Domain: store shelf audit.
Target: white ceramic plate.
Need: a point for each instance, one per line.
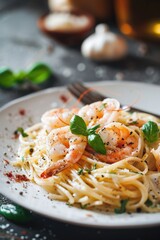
(142, 95)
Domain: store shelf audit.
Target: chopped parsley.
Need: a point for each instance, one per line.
(82, 171)
(122, 208)
(102, 106)
(69, 204)
(21, 131)
(148, 203)
(84, 206)
(94, 166)
(133, 122)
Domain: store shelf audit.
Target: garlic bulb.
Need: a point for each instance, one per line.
(104, 45)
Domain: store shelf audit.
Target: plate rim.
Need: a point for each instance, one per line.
(85, 224)
(56, 88)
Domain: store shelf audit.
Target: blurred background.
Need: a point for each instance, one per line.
(25, 40)
(135, 19)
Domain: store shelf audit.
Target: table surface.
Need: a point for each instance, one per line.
(21, 44)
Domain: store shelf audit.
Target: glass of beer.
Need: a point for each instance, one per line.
(139, 19)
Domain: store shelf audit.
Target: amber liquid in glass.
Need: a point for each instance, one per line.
(139, 18)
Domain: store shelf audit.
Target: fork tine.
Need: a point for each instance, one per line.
(94, 95)
(78, 93)
(87, 95)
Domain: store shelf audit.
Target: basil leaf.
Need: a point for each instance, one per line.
(7, 78)
(78, 126)
(39, 73)
(96, 143)
(122, 208)
(15, 213)
(151, 131)
(20, 76)
(93, 129)
(22, 132)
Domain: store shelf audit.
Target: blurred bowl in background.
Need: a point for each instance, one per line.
(101, 9)
(69, 28)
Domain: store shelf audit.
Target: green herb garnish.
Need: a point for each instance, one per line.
(122, 208)
(133, 122)
(112, 172)
(82, 171)
(83, 206)
(22, 132)
(69, 204)
(92, 129)
(151, 131)
(37, 74)
(102, 106)
(15, 213)
(7, 78)
(94, 166)
(79, 127)
(148, 203)
(95, 141)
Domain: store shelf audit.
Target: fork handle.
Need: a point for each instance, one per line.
(132, 109)
(93, 96)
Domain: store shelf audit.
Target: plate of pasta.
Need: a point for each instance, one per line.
(94, 165)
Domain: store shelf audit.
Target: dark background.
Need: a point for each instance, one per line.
(21, 44)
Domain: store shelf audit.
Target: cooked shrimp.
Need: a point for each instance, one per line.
(64, 149)
(101, 112)
(58, 117)
(136, 118)
(120, 142)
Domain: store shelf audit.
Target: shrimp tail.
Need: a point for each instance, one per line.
(55, 169)
(62, 164)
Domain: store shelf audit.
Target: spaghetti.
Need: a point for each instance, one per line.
(72, 168)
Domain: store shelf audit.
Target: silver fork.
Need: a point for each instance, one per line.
(88, 96)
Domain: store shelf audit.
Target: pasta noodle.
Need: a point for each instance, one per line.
(71, 169)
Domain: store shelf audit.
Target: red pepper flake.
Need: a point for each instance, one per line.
(6, 162)
(16, 135)
(64, 98)
(21, 178)
(9, 174)
(89, 215)
(22, 112)
(16, 177)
